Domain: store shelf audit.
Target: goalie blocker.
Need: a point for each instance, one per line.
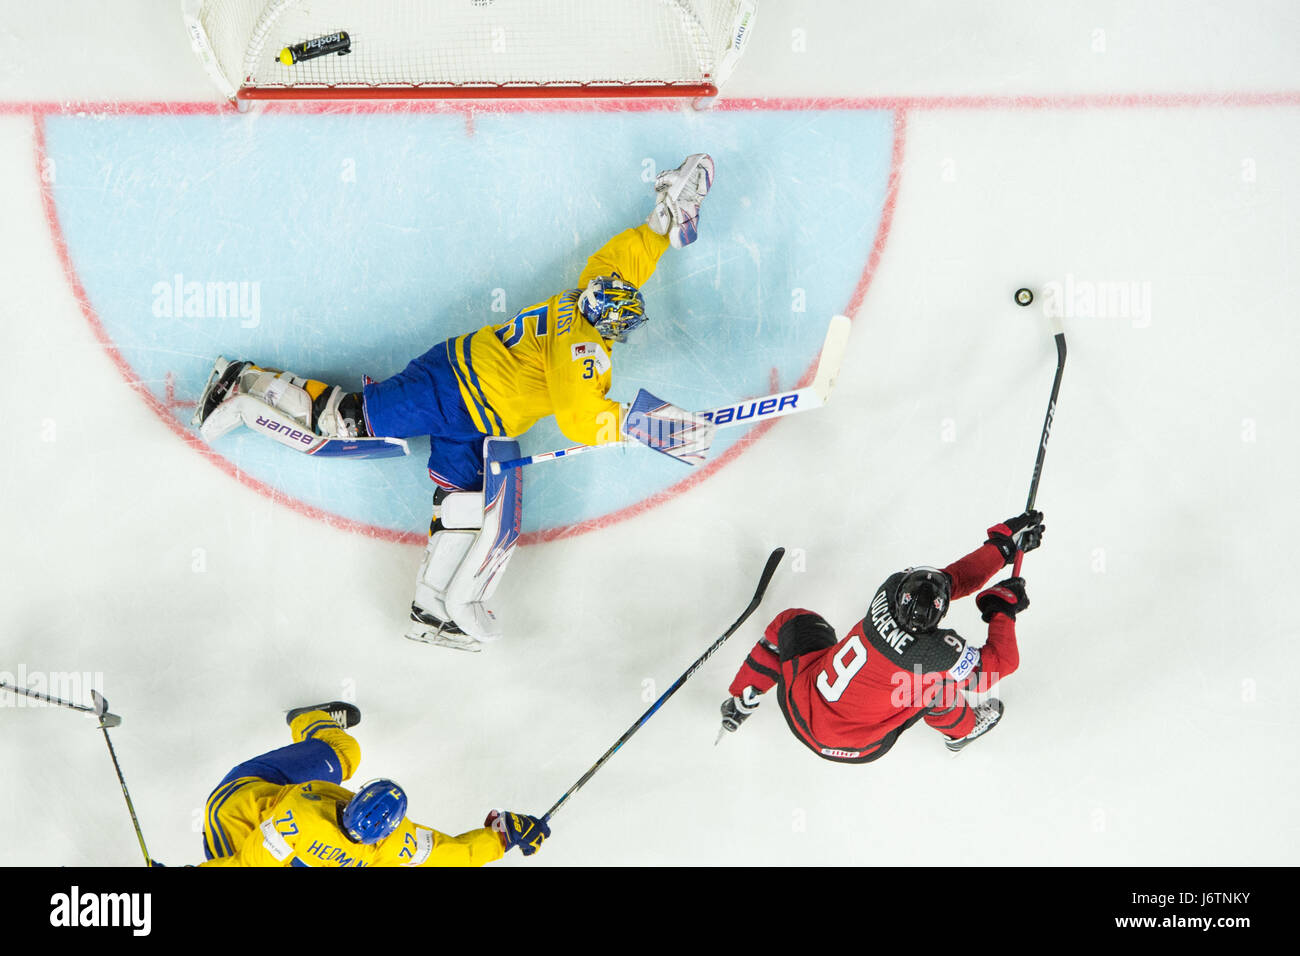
(666, 428)
(699, 438)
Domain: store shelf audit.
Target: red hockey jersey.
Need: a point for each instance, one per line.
(849, 700)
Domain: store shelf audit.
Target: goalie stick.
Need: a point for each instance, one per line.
(747, 412)
(1047, 430)
(764, 579)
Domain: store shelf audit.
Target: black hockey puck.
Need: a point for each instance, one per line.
(1024, 297)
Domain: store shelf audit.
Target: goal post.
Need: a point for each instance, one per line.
(455, 49)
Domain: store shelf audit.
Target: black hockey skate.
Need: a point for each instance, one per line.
(987, 716)
(220, 380)
(345, 715)
(427, 628)
(737, 710)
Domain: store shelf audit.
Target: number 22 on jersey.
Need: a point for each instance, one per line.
(846, 663)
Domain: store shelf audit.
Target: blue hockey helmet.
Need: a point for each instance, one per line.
(921, 599)
(374, 811)
(615, 307)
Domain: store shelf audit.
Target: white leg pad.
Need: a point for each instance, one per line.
(477, 578)
(223, 419)
(268, 393)
(281, 391)
(465, 561)
(270, 421)
(443, 555)
(463, 510)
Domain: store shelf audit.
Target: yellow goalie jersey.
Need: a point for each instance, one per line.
(298, 825)
(549, 360)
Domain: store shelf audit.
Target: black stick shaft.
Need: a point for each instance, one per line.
(139, 835)
(1047, 433)
(769, 569)
(37, 695)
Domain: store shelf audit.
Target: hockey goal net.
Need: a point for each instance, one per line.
(469, 48)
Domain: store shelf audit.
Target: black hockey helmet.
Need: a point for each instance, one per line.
(921, 599)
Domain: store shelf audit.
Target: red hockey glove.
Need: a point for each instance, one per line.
(1029, 526)
(1006, 597)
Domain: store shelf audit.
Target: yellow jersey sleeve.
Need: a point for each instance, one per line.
(415, 845)
(631, 255)
(251, 853)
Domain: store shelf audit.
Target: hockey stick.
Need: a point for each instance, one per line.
(747, 412)
(107, 720)
(112, 720)
(765, 578)
(1047, 431)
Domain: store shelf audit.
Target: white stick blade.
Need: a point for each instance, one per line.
(101, 710)
(828, 366)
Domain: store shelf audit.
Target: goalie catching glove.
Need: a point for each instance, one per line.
(518, 829)
(678, 194)
(666, 428)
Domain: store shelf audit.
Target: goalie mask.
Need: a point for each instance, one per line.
(613, 306)
(921, 599)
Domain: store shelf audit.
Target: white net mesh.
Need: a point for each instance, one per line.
(488, 44)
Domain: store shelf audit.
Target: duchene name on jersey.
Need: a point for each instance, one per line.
(886, 626)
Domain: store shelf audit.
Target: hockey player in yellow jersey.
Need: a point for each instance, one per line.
(287, 808)
(472, 394)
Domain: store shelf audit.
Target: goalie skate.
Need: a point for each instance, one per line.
(224, 374)
(425, 628)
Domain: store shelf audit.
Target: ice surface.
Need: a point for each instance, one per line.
(1093, 147)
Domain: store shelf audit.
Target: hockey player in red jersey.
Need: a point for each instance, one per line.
(849, 700)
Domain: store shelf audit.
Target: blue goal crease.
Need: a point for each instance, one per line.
(343, 246)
